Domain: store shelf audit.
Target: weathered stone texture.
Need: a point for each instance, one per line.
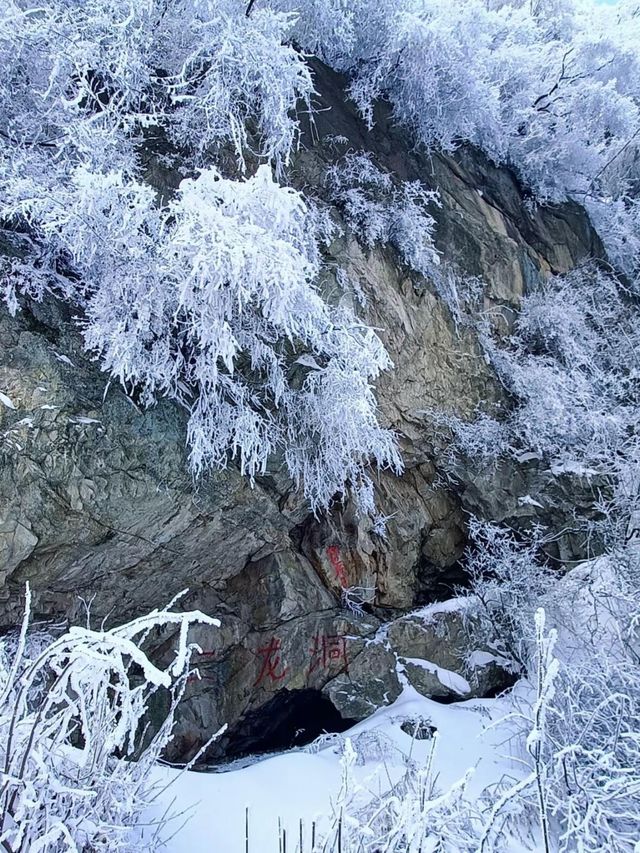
(97, 508)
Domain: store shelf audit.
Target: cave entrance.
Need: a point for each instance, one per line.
(291, 718)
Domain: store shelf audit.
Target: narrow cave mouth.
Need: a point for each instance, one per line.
(506, 681)
(289, 719)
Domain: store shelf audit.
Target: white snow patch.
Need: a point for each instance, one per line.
(302, 785)
(480, 658)
(527, 500)
(451, 680)
(63, 358)
(460, 604)
(572, 466)
(6, 401)
(81, 419)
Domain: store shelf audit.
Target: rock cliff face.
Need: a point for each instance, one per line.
(97, 508)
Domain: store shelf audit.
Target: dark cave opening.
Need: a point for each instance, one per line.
(290, 718)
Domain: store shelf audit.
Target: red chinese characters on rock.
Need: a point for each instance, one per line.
(333, 554)
(272, 667)
(327, 650)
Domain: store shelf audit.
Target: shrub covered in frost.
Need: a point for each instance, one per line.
(72, 720)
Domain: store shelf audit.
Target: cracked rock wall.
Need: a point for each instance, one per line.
(97, 508)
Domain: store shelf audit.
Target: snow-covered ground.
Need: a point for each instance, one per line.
(303, 785)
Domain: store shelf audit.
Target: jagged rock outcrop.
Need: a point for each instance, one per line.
(98, 511)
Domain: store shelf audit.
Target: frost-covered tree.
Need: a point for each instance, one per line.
(73, 716)
(412, 814)
(551, 88)
(573, 732)
(570, 368)
(208, 297)
(236, 71)
(86, 88)
(380, 211)
(211, 300)
(578, 713)
(617, 220)
(508, 577)
(83, 81)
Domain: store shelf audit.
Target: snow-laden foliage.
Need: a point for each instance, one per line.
(589, 752)
(553, 91)
(570, 368)
(412, 815)
(573, 735)
(380, 211)
(617, 221)
(508, 578)
(81, 81)
(73, 714)
(535, 785)
(581, 716)
(207, 297)
(618, 520)
(236, 71)
(211, 300)
(552, 88)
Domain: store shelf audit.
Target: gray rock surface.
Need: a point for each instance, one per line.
(98, 511)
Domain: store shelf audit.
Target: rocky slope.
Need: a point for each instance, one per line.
(98, 511)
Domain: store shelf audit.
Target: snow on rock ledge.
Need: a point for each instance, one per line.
(96, 500)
